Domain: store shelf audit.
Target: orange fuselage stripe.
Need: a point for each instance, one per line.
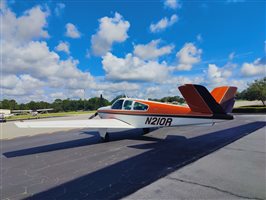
(156, 108)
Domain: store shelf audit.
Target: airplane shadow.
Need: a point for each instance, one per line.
(56, 146)
(163, 157)
(136, 134)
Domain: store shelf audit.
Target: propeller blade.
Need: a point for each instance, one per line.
(94, 115)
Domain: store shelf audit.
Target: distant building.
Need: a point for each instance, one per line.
(5, 111)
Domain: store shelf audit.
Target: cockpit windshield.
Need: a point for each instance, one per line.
(118, 104)
(129, 105)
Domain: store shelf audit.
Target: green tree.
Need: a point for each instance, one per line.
(9, 104)
(256, 91)
(57, 105)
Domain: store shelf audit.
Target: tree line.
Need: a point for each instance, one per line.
(58, 105)
(255, 91)
(65, 105)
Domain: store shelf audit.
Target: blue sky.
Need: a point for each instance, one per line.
(72, 49)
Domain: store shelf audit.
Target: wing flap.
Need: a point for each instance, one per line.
(92, 123)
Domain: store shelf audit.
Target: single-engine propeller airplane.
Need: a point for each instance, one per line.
(203, 108)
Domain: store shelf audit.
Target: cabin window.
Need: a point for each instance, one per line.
(140, 106)
(118, 104)
(127, 105)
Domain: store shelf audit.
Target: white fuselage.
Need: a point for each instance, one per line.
(149, 120)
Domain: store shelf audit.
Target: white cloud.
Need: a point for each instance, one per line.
(163, 24)
(151, 50)
(20, 85)
(133, 69)
(34, 72)
(36, 59)
(110, 30)
(63, 46)
(173, 4)
(257, 68)
(72, 31)
(215, 75)
(58, 95)
(187, 56)
(117, 87)
(218, 76)
(29, 26)
(59, 8)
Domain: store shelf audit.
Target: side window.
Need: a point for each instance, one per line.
(140, 106)
(118, 104)
(127, 105)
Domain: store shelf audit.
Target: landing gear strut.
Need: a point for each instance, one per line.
(104, 135)
(106, 138)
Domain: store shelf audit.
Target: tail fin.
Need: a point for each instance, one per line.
(225, 96)
(199, 99)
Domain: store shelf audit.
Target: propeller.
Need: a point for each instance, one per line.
(94, 115)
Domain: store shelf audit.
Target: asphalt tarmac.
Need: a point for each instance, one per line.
(225, 161)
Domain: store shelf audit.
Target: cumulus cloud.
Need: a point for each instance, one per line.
(163, 24)
(58, 95)
(215, 75)
(151, 50)
(187, 56)
(20, 85)
(110, 30)
(63, 46)
(29, 26)
(256, 68)
(173, 4)
(36, 59)
(133, 69)
(72, 31)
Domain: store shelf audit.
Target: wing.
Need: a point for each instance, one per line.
(92, 123)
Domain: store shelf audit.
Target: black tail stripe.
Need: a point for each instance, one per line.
(210, 101)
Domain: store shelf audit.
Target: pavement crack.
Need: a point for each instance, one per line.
(212, 187)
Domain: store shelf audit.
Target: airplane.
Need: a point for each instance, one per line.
(33, 112)
(203, 108)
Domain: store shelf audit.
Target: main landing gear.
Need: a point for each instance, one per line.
(106, 138)
(104, 135)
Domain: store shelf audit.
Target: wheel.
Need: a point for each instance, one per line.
(145, 131)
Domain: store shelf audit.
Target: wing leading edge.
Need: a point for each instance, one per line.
(92, 123)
